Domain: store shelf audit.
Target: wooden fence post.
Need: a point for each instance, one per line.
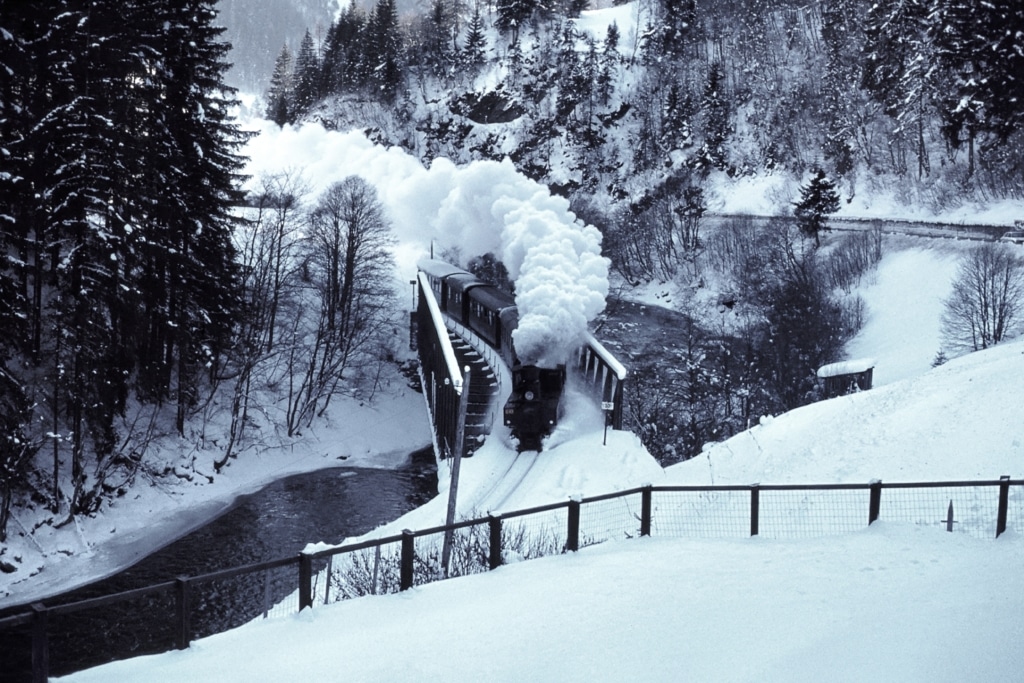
(755, 508)
(305, 580)
(572, 541)
(40, 643)
(1004, 500)
(408, 554)
(875, 501)
(183, 605)
(494, 526)
(645, 511)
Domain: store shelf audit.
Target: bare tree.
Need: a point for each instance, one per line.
(984, 307)
(348, 269)
(267, 248)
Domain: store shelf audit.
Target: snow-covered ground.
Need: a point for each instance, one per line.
(885, 604)
(889, 602)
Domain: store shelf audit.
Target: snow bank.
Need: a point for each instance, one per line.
(904, 309)
(957, 421)
(885, 604)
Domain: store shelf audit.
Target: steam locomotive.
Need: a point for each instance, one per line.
(531, 411)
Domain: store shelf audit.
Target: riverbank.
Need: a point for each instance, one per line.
(154, 512)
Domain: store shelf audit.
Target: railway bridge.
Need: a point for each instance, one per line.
(466, 380)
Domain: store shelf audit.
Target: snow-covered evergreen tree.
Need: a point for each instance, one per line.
(306, 76)
(818, 200)
(280, 95)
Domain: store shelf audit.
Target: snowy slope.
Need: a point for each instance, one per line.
(962, 420)
(889, 602)
(904, 303)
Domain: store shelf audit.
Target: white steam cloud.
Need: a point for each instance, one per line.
(561, 278)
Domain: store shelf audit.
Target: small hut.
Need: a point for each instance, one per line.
(846, 377)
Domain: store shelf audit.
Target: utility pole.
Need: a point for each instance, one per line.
(453, 489)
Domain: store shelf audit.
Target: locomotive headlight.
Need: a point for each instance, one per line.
(528, 395)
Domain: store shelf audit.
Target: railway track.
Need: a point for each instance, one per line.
(507, 484)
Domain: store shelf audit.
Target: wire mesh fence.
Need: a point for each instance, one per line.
(527, 537)
(173, 613)
(966, 509)
(368, 571)
(809, 513)
(610, 518)
(700, 513)
(83, 638)
(1015, 510)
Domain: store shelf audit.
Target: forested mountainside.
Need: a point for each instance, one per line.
(637, 112)
(923, 95)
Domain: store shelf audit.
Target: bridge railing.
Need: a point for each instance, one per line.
(439, 370)
(599, 369)
(983, 509)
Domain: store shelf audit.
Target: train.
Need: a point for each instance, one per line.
(532, 409)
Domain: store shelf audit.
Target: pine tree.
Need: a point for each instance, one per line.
(201, 294)
(443, 40)
(818, 200)
(897, 72)
(679, 27)
(476, 40)
(977, 47)
(841, 36)
(384, 50)
(717, 118)
(513, 15)
(609, 64)
(678, 110)
(306, 76)
(341, 65)
(280, 95)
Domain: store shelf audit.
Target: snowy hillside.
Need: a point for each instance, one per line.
(890, 602)
(959, 421)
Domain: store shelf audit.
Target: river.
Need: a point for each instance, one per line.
(275, 522)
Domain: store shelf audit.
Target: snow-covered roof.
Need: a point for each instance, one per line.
(846, 367)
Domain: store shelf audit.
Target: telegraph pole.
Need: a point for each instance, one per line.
(453, 489)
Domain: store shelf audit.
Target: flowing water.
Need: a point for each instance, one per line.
(274, 523)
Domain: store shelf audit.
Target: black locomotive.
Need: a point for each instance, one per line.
(531, 411)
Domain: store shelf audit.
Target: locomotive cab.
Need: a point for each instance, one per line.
(532, 408)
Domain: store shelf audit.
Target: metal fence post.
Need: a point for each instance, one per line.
(305, 580)
(40, 643)
(645, 511)
(183, 603)
(1004, 501)
(494, 526)
(408, 553)
(572, 541)
(755, 508)
(875, 501)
